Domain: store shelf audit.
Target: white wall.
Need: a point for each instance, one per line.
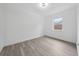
(69, 25)
(78, 28)
(22, 23)
(78, 23)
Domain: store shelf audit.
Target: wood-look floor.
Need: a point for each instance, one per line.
(42, 46)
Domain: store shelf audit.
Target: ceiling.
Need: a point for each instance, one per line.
(34, 7)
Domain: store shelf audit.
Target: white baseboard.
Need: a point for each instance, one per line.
(19, 41)
(59, 39)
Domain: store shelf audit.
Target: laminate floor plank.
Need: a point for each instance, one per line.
(42, 46)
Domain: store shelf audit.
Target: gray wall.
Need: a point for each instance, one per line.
(2, 26)
(69, 25)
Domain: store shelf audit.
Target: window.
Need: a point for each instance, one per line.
(57, 23)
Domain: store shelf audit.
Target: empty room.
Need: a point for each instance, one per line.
(39, 29)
